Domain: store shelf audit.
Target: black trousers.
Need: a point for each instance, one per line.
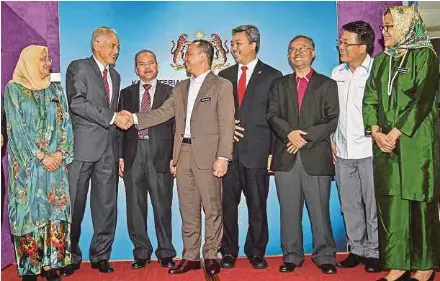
(255, 186)
(141, 180)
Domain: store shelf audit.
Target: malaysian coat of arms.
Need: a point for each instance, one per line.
(180, 47)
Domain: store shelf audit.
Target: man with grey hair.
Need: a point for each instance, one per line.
(92, 87)
(248, 172)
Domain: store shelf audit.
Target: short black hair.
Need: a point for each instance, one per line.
(144, 51)
(207, 48)
(364, 32)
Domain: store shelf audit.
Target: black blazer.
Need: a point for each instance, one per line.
(161, 136)
(319, 118)
(89, 109)
(254, 148)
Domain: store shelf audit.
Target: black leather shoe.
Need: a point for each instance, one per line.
(167, 262)
(228, 261)
(258, 262)
(51, 275)
(103, 266)
(431, 278)
(328, 268)
(212, 267)
(373, 265)
(352, 260)
(185, 266)
(29, 278)
(140, 263)
(287, 267)
(404, 277)
(69, 269)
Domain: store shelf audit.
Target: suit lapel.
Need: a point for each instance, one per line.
(159, 96)
(185, 94)
(209, 79)
(135, 97)
(98, 72)
(232, 76)
(292, 91)
(115, 86)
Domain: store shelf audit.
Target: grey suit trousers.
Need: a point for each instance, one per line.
(356, 190)
(198, 188)
(293, 188)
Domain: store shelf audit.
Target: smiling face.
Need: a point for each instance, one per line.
(44, 64)
(389, 31)
(146, 66)
(242, 50)
(106, 48)
(350, 50)
(301, 53)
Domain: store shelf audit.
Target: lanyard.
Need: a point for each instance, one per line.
(391, 80)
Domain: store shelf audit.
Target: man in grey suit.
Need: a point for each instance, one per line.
(93, 90)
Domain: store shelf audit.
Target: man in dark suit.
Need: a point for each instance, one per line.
(203, 108)
(303, 112)
(92, 87)
(248, 173)
(144, 164)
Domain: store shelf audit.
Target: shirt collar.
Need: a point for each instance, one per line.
(153, 83)
(100, 65)
(365, 65)
(200, 78)
(307, 77)
(251, 65)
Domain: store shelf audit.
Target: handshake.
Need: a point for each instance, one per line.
(124, 119)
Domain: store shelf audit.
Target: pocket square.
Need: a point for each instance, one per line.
(205, 99)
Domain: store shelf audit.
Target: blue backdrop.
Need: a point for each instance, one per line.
(154, 25)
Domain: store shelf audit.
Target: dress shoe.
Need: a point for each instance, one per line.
(288, 267)
(351, 261)
(228, 261)
(167, 262)
(327, 268)
(29, 278)
(258, 262)
(373, 265)
(404, 277)
(69, 269)
(103, 266)
(185, 266)
(212, 267)
(431, 278)
(51, 275)
(140, 263)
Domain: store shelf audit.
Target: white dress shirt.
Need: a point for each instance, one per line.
(109, 80)
(195, 83)
(249, 71)
(152, 90)
(350, 138)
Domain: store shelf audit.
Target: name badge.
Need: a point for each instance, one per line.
(205, 99)
(402, 70)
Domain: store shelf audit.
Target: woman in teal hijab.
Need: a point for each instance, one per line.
(400, 111)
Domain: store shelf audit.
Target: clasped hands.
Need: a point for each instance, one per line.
(386, 142)
(296, 141)
(124, 119)
(52, 161)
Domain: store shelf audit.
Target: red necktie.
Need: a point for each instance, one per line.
(107, 87)
(242, 85)
(145, 106)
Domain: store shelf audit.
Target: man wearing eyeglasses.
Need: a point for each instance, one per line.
(303, 112)
(352, 150)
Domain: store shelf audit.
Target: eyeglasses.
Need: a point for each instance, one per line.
(46, 60)
(300, 50)
(385, 27)
(340, 44)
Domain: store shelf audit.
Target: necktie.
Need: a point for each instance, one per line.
(106, 85)
(145, 107)
(242, 85)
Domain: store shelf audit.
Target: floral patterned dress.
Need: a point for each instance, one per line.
(39, 202)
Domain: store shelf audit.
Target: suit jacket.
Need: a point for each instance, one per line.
(319, 118)
(254, 148)
(212, 120)
(89, 109)
(161, 136)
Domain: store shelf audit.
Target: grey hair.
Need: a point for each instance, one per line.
(252, 34)
(103, 30)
